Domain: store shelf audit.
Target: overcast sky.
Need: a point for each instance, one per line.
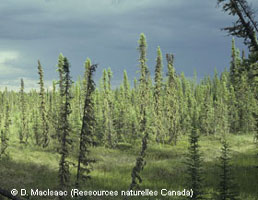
(107, 31)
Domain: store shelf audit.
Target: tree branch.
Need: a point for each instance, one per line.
(249, 13)
(249, 31)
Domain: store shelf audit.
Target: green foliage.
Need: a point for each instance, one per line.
(124, 146)
(35, 167)
(64, 126)
(5, 131)
(235, 66)
(194, 162)
(139, 165)
(158, 106)
(143, 99)
(246, 26)
(42, 107)
(23, 132)
(226, 185)
(143, 87)
(207, 111)
(87, 129)
(122, 118)
(172, 102)
(35, 126)
(110, 137)
(86, 67)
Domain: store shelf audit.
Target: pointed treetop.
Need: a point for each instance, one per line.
(87, 63)
(126, 82)
(142, 48)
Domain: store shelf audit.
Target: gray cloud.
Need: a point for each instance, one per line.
(107, 32)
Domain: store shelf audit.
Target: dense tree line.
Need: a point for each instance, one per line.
(163, 108)
(74, 116)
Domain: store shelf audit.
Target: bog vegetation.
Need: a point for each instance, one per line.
(74, 118)
(157, 133)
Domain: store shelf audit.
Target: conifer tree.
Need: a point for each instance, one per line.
(5, 130)
(194, 161)
(158, 98)
(123, 107)
(140, 162)
(233, 115)
(35, 125)
(126, 86)
(158, 79)
(227, 190)
(207, 112)
(119, 113)
(108, 125)
(22, 131)
(219, 104)
(245, 27)
(44, 123)
(172, 107)
(235, 65)
(246, 105)
(53, 112)
(135, 83)
(242, 107)
(135, 110)
(60, 70)
(86, 66)
(185, 111)
(98, 129)
(110, 75)
(254, 85)
(76, 116)
(64, 126)
(143, 87)
(139, 165)
(221, 107)
(216, 87)
(87, 130)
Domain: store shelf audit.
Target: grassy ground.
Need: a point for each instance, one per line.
(31, 167)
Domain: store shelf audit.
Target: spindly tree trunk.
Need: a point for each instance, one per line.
(64, 126)
(87, 129)
(44, 123)
(158, 106)
(140, 162)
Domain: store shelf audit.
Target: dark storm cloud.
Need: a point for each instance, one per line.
(107, 32)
